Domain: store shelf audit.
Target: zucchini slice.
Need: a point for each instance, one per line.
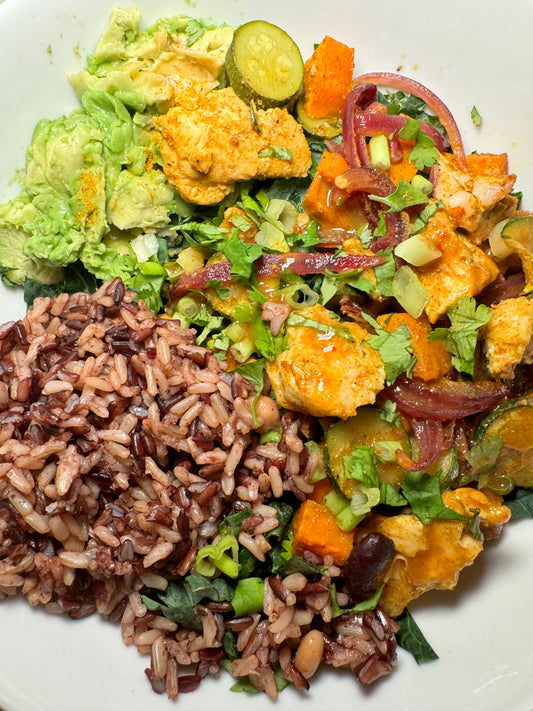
(364, 428)
(517, 235)
(513, 422)
(264, 64)
(325, 128)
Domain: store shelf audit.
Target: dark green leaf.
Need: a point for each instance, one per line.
(410, 637)
(520, 501)
(422, 491)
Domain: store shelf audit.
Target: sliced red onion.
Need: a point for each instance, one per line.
(403, 83)
(358, 99)
(300, 263)
(374, 123)
(303, 263)
(366, 180)
(431, 442)
(219, 271)
(444, 399)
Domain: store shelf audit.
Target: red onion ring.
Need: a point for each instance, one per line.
(403, 83)
(374, 123)
(444, 399)
(358, 99)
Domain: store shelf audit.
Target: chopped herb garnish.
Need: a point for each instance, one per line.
(405, 195)
(410, 637)
(276, 152)
(476, 116)
(466, 318)
(395, 349)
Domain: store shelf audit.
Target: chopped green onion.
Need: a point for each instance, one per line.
(363, 499)
(335, 502)
(188, 307)
(272, 238)
(409, 291)
(379, 152)
(421, 183)
(223, 555)
(248, 596)
(242, 350)
(386, 450)
(284, 212)
(417, 250)
(145, 246)
(299, 295)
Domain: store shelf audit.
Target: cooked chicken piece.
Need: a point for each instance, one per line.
(470, 195)
(431, 557)
(326, 373)
(462, 270)
(508, 335)
(210, 141)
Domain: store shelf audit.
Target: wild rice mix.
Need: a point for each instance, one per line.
(124, 450)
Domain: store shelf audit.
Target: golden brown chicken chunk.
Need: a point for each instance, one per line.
(210, 141)
(508, 335)
(326, 373)
(431, 557)
(462, 270)
(476, 194)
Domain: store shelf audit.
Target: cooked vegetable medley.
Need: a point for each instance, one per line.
(360, 286)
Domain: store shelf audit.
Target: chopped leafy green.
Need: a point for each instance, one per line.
(476, 117)
(520, 501)
(466, 318)
(296, 319)
(76, 278)
(385, 272)
(232, 522)
(242, 255)
(422, 491)
(360, 464)
(405, 195)
(389, 413)
(248, 596)
(410, 637)
(363, 606)
(484, 454)
(180, 598)
(276, 152)
(425, 216)
(424, 153)
(395, 348)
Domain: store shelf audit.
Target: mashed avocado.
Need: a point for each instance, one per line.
(93, 178)
(141, 66)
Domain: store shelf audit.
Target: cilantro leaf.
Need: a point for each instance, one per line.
(484, 454)
(194, 31)
(476, 116)
(276, 152)
(296, 319)
(255, 373)
(360, 464)
(266, 344)
(422, 491)
(385, 272)
(395, 349)
(424, 153)
(461, 338)
(410, 637)
(425, 216)
(405, 195)
(242, 255)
